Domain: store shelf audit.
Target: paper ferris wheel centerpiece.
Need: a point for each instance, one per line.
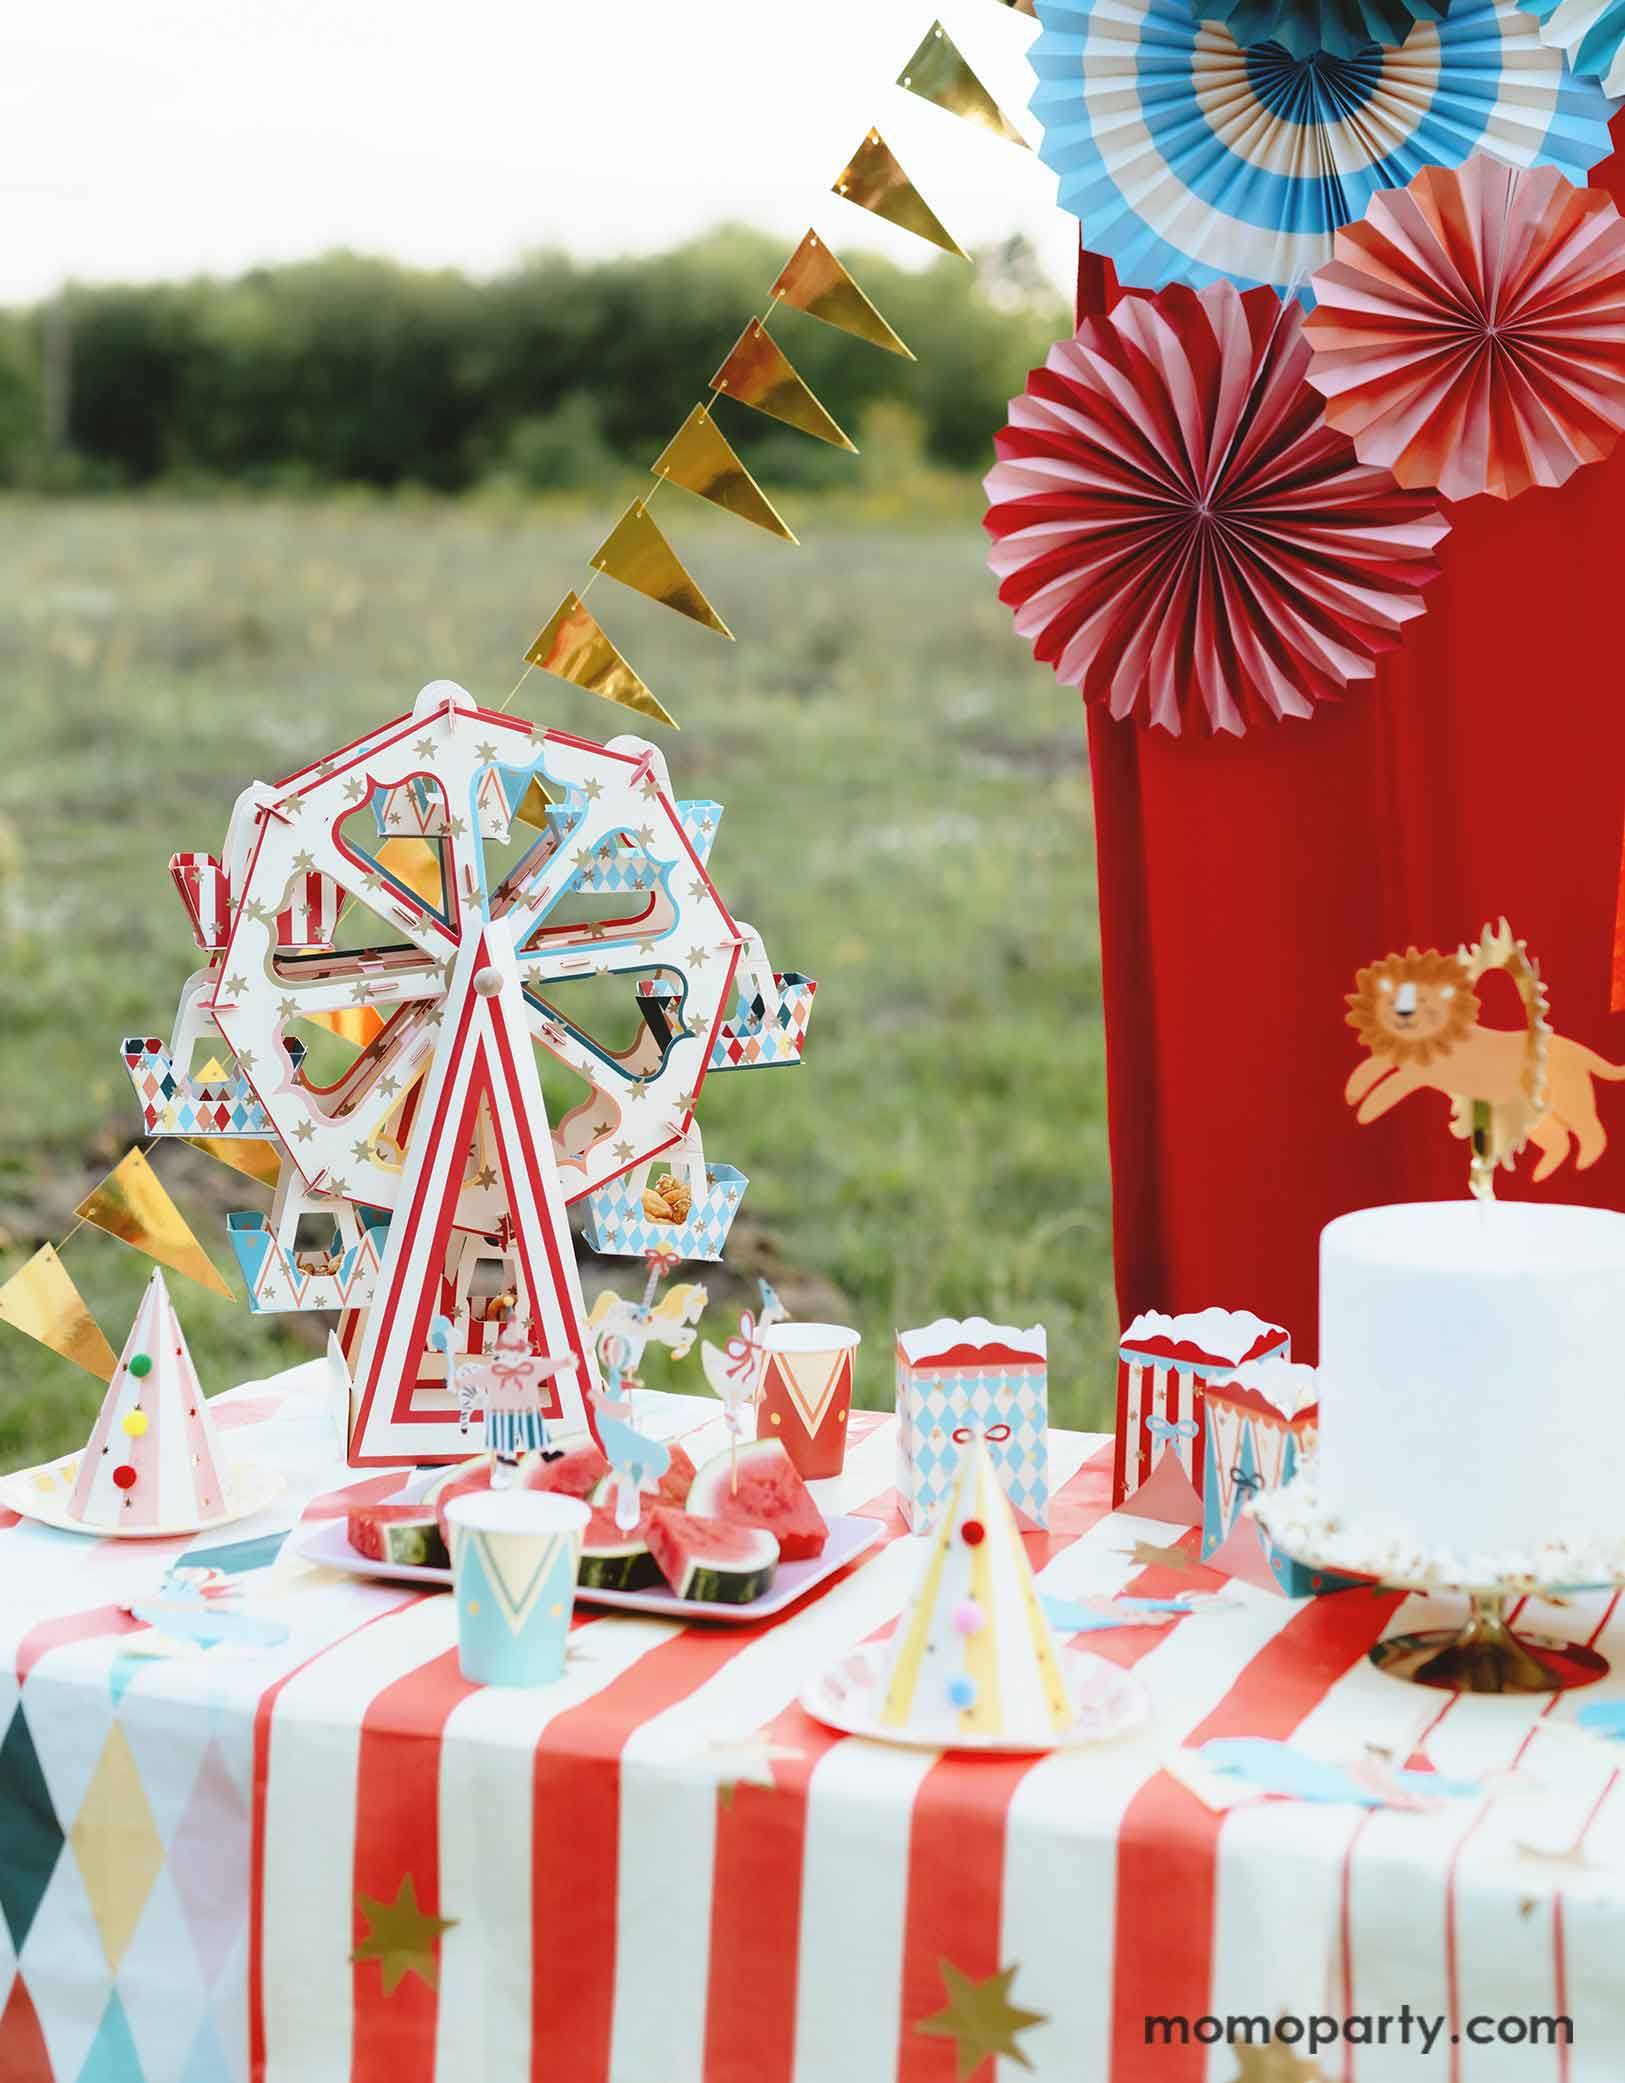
(381, 906)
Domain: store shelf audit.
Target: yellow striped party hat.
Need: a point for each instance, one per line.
(973, 1655)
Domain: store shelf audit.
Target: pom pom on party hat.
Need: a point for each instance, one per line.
(973, 1654)
(153, 1459)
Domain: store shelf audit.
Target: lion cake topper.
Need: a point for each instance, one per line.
(1419, 1015)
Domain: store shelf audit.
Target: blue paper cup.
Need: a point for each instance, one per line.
(513, 1561)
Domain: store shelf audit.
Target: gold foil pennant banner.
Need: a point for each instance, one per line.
(534, 805)
(699, 459)
(814, 281)
(572, 647)
(132, 1205)
(415, 862)
(357, 1024)
(759, 373)
(940, 73)
(1026, 7)
(638, 555)
(41, 1301)
(253, 1156)
(874, 181)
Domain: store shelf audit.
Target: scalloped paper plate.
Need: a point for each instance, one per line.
(1107, 1702)
(42, 1493)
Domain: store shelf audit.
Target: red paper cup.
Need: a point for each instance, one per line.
(806, 1393)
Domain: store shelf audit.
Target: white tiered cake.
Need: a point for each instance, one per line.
(1471, 1359)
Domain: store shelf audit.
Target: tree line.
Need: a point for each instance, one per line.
(348, 370)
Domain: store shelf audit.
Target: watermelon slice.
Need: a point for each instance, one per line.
(672, 1489)
(705, 1560)
(400, 1533)
(573, 1467)
(614, 1560)
(769, 1493)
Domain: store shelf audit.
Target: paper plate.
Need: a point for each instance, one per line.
(1107, 1703)
(42, 1493)
(849, 1537)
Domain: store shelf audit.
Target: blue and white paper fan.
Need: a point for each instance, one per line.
(1591, 33)
(1341, 27)
(1188, 158)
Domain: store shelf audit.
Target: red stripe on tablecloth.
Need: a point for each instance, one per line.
(1167, 1846)
(338, 1504)
(71, 1627)
(262, 1779)
(750, 2010)
(1418, 1761)
(576, 1872)
(397, 1836)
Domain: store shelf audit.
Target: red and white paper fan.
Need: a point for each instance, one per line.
(1469, 333)
(1178, 530)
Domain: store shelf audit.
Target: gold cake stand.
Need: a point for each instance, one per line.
(1484, 1654)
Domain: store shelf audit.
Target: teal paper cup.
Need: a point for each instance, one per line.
(513, 1563)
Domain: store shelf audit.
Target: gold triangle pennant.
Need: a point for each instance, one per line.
(132, 1205)
(416, 862)
(699, 459)
(759, 373)
(253, 1156)
(355, 1024)
(41, 1301)
(572, 647)
(638, 555)
(1026, 7)
(814, 281)
(940, 73)
(874, 181)
(534, 805)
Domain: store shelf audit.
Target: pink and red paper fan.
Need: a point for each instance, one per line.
(1178, 530)
(1469, 332)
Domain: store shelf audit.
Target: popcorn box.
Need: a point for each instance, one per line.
(954, 1380)
(1261, 1423)
(1165, 1366)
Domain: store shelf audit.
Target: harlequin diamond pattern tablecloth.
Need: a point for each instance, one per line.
(660, 1871)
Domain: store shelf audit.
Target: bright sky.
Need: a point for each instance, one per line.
(169, 137)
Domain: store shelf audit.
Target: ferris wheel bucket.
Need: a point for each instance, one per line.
(768, 1029)
(619, 1226)
(317, 1256)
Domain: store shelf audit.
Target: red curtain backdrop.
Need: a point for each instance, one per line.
(1243, 882)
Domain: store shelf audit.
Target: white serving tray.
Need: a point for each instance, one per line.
(849, 1536)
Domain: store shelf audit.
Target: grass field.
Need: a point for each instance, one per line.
(907, 820)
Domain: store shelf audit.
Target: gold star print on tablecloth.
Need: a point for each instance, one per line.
(1147, 1555)
(1276, 2064)
(400, 1937)
(979, 2018)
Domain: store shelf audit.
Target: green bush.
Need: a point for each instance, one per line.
(557, 374)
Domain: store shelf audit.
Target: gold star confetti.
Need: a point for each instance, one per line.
(696, 957)
(234, 984)
(304, 860)
(401, 1937)
(592, 790)
(423, 749)
(487, 752)
(485, 1177)
(1275, 2064)
(979, 2018)
(355, 789)
(748, 1761)
(303, 1131)
(651, 789)
(1147, 1555)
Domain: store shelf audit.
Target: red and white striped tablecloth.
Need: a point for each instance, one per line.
(661, 1871)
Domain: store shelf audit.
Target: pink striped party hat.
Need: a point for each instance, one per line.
(153, 1460)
